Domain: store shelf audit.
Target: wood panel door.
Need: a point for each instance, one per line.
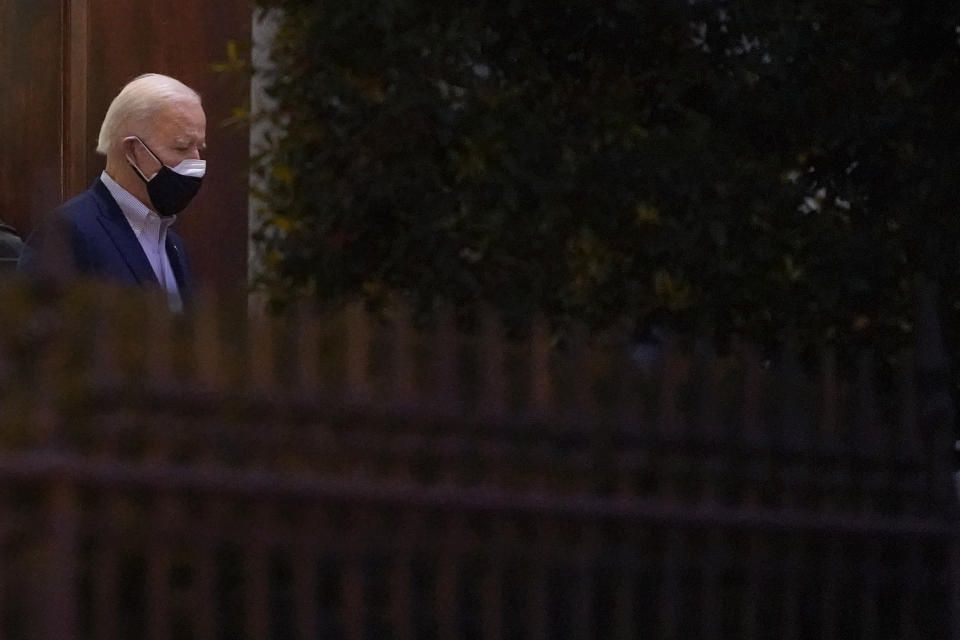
(32, 44)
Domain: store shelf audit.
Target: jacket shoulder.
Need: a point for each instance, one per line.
(79, 209)
(59, 242)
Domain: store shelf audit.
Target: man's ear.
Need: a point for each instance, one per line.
(133, 148)
(128, 147)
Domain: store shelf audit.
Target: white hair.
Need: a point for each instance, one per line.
(135, 106)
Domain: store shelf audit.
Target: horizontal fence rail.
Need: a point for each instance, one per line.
(230, 475)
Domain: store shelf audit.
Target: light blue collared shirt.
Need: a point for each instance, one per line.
(151, 232)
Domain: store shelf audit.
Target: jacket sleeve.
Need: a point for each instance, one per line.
(11, 246)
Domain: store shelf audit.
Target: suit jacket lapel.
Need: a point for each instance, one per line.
(117, 227)
(179, 265)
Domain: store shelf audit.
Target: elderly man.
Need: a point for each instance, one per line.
(119, 228)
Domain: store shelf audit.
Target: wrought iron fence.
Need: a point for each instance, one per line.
(222, 475)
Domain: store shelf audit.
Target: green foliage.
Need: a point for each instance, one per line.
(750, 166)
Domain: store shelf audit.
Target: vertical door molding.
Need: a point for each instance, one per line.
(76, 138)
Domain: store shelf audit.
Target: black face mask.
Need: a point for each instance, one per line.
(172, 189)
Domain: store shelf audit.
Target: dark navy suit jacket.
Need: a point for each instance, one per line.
(90, 236)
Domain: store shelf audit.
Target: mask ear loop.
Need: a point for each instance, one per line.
(150, 151)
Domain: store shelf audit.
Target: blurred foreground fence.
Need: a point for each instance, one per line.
(214, 476)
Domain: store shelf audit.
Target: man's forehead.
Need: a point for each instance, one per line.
(182, 121)
(183, 112)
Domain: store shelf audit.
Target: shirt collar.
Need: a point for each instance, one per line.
(142, 219)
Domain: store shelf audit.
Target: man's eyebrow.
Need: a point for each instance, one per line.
(186, 141)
